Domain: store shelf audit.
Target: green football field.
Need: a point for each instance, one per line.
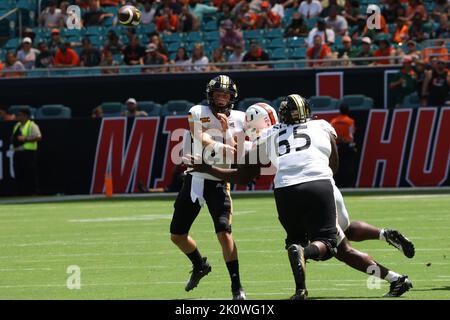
(123, 250)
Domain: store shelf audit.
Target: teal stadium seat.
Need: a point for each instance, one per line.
(276, 102)
(14, 109)
(153, 109)
(176, 107)
(323, 103)
(298, 53)
(295, 42)
(411, 101)
(274, 33)
(247, 102)
(53, 111)
(276, 43)
(279, 54)
(358, 102)
(112, 109)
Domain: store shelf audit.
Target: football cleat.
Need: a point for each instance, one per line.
(300, 294)
(239, 294)
(198, 274)
(297, 260)
(396, 239)
(399, 287)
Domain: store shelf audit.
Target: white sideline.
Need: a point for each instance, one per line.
(169, 195)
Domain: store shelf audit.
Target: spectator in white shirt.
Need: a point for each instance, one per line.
(278, 8)
(336, 22)
(51, 15)
(237, 56)
(198, 61)
(325, 33)
(27, 55)
(148, 13)
(310, 8)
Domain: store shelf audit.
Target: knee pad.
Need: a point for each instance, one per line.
(222, 225)
(331, 245)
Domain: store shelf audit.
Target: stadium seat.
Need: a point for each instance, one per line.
(130, 70)
(253, 35)
(411, 101)
(276, 102)
(245, 103)
(274, 33)
(298, 53)
(276, 43)
(358, 102)
(194, 37)
(53, 111)
(112, 109)
(14, 109)
(149, 28)
(295, 42)
(211, 35)
(176, 107)
(152, 108)
(94, 31)
(210, 26)
(323, 103)
(279, 54)
(12, 44)
(173, 47)
(173, 37)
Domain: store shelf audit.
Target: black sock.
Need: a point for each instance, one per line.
(196, 258)
(311, 252)
(233, 270)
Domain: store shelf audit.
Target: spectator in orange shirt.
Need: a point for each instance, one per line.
(438, 50)
(401, 31)
(318, 51)
(384, 50)
(167, 22)
(267, 19)
(66, 57)
(345, 129)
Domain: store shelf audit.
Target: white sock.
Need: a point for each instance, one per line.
(392, 276)
(382, 237)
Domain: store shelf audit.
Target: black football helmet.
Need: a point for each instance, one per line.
(225, 84)
(294, 109)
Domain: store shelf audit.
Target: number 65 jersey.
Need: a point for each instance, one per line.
(300, 152)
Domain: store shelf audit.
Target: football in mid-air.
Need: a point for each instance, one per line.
(129, 15)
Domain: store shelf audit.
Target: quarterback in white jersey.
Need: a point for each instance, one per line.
(206, 125)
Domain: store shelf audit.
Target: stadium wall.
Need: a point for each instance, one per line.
(82, 94)
(396, 148)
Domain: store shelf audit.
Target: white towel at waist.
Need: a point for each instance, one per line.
(197, 188)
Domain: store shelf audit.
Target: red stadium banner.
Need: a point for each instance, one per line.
(388, 152)
(171, 123)
(129, 163)
(429, 160)
(330, 84)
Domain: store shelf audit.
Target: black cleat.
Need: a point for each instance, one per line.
(300, 294)
(197, 274)
(239, 294)
(399, 287)
(297, 260)
(396, 239)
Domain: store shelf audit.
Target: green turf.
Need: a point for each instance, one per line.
(124, 251)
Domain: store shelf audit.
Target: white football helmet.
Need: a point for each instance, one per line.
(259, 116)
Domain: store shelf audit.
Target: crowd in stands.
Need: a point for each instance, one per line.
(331, 29)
